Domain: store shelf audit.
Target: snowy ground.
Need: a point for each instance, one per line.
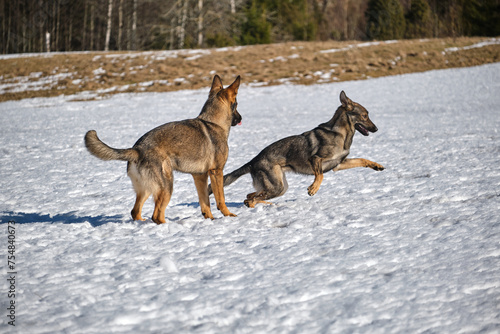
(412, 249)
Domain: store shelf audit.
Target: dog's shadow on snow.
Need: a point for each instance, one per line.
(197, 205)
(73, 218)
(65, 218)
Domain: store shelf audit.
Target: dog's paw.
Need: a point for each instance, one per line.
(226, 212)
(311, 190)
(207, 215)
(249, 203)
(377, 167)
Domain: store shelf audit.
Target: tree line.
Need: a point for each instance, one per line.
(80, 25)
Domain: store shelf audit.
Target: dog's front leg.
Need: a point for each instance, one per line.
(358, 162)
(201, 181)
(317, 167)
(217, 179)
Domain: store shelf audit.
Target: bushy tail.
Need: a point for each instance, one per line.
(233, 176)
(104, 152)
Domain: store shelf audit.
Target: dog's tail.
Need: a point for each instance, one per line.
(234, 175)
(104, 152)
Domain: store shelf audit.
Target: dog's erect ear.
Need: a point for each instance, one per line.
(234, 86)
(216, 85)
(346, 102)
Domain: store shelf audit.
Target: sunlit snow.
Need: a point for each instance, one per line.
(412, 249)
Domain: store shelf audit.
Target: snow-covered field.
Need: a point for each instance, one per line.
(412, 249)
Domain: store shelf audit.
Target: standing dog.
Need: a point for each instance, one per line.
(314, 152)
(197, 146)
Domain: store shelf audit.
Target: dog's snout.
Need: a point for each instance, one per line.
(371, 126)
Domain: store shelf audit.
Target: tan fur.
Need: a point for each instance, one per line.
(197, 146)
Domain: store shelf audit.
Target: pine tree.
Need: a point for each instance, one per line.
(295, 20)
(481, 18)
(419, 20)
(385, 20)
(492, 25)
(256, 29)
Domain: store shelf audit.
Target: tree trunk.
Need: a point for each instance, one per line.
(346, 19)
(47, 40)
(54, 24)
(58, 25)
(108, 29)
(92, 25)
(120, 24)
(233, 7)
(172, 33)
(24, 35)
(34, 29)
(70, 36)
(84, 39)
(8, 34)
(129, 35)
(2, 46)
(41, 23)
(134, 26)
(182, 30)
(200, 23)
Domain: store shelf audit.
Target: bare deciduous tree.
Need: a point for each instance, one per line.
(183, 21)
(88, 24)
(200, 23)
(108, 29)
(120, 24)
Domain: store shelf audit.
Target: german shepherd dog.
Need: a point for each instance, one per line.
(197, 146)
(314, 152)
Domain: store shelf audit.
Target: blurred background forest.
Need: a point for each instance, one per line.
(78, 25)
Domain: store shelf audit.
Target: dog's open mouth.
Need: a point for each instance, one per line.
(361, 129)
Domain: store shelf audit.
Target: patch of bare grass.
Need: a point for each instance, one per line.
(294, 62)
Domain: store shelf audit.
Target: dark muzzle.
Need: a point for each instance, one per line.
(365, 129)
(236, 118)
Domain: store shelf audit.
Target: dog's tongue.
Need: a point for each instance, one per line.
(239, 123)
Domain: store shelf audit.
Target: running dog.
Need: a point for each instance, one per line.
(314, 152)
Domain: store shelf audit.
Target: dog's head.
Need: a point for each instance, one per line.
(358, 115)
(227, 97)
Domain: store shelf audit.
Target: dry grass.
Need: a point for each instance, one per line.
(296, 62)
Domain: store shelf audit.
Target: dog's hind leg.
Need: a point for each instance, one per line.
(217, 181)
(163, 194)
(317, 167)
(201, 181)
(141, 197)
(142, 193)
(161, 201)
(250, 201)
(162, 197)
(269, 184)
(256, 198)
(358, 162)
